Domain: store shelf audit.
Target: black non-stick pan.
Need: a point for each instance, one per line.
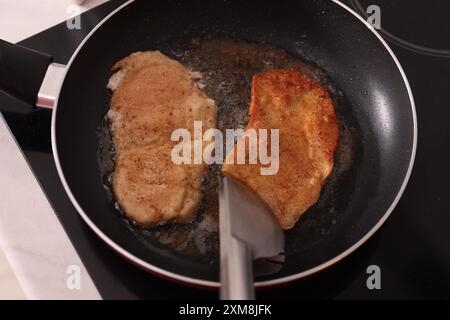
(373, 101)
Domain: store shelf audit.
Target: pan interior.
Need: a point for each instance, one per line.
(228, 67)
(371, 100)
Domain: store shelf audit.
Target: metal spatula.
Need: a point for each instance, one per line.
(248, 231)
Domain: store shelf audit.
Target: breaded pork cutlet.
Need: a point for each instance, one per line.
(152, 96)
(303, 111)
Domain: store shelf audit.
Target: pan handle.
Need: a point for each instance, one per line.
(22, 73)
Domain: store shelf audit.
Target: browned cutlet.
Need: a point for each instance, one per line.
(303, 111)
(152, 96)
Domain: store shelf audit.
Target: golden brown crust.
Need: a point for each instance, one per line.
(154, 96)
(303, 111)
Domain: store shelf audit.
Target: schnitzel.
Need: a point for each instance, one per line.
(303, 111)
(152, 96)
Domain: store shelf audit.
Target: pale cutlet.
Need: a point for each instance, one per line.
(152, 96)
(303, 111)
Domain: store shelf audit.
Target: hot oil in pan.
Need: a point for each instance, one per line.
(227, 68)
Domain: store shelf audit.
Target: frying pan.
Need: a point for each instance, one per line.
(357, 60)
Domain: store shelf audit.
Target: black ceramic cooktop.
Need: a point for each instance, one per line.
(412, 249)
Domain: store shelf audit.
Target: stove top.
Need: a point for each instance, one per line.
(412, 249)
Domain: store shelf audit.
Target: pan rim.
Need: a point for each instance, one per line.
(214, 284)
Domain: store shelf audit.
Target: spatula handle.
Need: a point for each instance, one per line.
(236, 273)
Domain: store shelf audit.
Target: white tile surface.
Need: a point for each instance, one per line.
(33, 240)
(9, 286)
(20, 19)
